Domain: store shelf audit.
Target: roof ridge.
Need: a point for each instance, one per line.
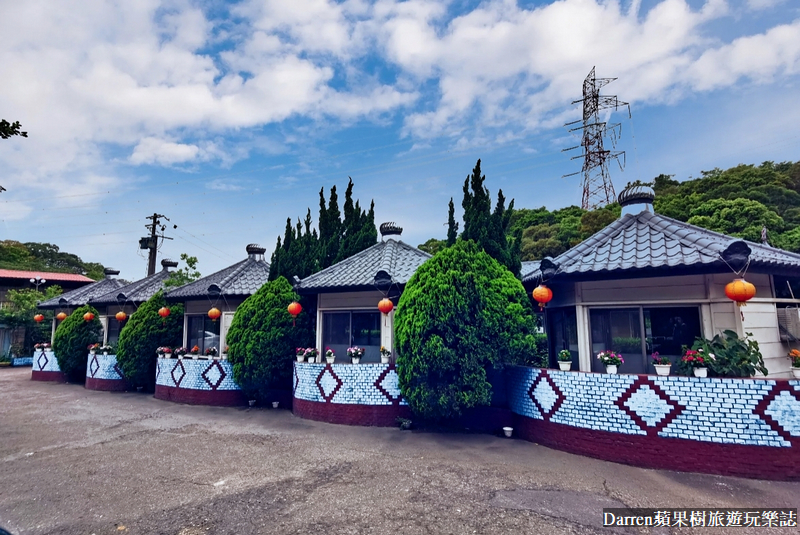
(387, 258)
(237, 269)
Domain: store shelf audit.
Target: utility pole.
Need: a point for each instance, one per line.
(151, 242)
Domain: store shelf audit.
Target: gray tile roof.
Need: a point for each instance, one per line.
(242, 279)
(84, 294)
(528, 267)
(135, 292)
(396, 258)
(652, 241)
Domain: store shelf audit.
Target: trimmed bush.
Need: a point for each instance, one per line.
(72, 340)
(142, 334)
(461, 313)
(262, 340)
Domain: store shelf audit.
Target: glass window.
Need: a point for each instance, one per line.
(203, 333)
(670, 328)
(618, 330)
(564, 332)
(786, 288)
(114, 326)
(341, 330)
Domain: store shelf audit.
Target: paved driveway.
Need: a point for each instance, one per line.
(74, 461)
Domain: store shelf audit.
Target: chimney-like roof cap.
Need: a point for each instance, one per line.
(110, 271)
(636, 195)
(390, 228)
(168, 263)
(255, 248)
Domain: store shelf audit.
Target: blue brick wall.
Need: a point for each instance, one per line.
(45, 361)
(189, 374)
(102, 367)
(356, 383)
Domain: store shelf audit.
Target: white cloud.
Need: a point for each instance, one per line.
(151, 150)
(763, 4)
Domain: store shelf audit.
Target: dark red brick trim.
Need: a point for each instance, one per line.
(759, 462)
(350, 414)
(219, 398)
(106, 385)
(642, 380)
(59, 377)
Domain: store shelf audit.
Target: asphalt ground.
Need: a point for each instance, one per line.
(74, 461)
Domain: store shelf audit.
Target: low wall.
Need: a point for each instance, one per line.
(102, 373)
(197, 382)
(734, 427)
(22, 361)
(352, 394)
(45, 367)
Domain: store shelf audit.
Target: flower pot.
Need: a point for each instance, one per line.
(224, 357)
(662, 369)
(384, 360)
(301, 358)
(312, 359)
(252, 402)
(167, 355)
(195, 357)
(565, 365)
(796, 373)
(105, 353)
(701, 372)
(161, 355)
(507, 431)
(611, 368)
(330, 360)
(275, 404)
(355, 360)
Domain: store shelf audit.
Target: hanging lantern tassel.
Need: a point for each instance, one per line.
(385, 305)
(542, 294)
(294, 309)
(214, 313)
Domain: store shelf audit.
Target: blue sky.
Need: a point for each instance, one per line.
(228, 117)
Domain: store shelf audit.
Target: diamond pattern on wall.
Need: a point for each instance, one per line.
(328, 383)
(214, 375)
(388, 385)
(648, 406)
(545, 395)
(119, 372)
(180, 371)
(781, 410)
(94, 366)
(40, 363)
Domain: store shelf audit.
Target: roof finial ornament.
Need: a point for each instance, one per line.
(389, 229)
(764, 235)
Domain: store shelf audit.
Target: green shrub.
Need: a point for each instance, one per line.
(262, 340)
(142, 334)
(733, 356)
(461, 313)
(72, 340)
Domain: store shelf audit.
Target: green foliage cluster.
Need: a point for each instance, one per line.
(45, 257)
(461, 313)
(18, 312)
(183, 275)
(304, 251)
(734, 356)
(72, 340)
(142, 334)
(8, 130)
(262, 340)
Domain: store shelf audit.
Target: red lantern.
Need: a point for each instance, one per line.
(163, 312)
(294, 309)
(542, 294)
(121, 316)
(214, 313)
(88, 316)
(740, 291)
(38, 318)
(61, 316)
(385, 305)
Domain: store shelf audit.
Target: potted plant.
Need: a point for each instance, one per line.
(180, 352)
(195, 352)
(697, 361)
(106, 349)
(211, 352)
(93, 348)
(565, 360)
(311, 354)
(330, 356)
(794, 355)
(225, 354)
(661, 364)
(355, 353)
(385, 355)
(610, 360)
(300, 354)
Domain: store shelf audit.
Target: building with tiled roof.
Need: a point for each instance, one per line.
(127, 298)
(649, 283)
(347, 294)
(225, 290)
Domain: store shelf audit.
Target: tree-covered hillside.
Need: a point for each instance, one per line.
(45, 257)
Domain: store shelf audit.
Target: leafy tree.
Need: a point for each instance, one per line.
(486, 228)
(539, 241)
(143, 333)
(738, 217)
(461, 313)
(45, 257)
(73, 337)
(8, 130)
(596, 220)
(183, 275)
(452, 226)
(262, 339)
(358, 227)
(19, 309)
(432, 246)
